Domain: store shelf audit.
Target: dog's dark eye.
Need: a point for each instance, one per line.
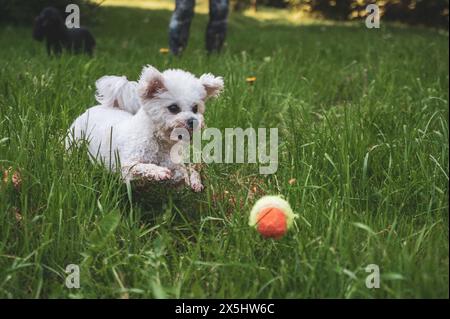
(195, 108)
(173, 108)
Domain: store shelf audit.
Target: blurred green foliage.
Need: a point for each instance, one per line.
(24, 11)
(417, 12)
(432, 13)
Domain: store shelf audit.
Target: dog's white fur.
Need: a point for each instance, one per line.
(133, 122)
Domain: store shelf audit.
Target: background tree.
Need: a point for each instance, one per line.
(24, 11)
(418, 12)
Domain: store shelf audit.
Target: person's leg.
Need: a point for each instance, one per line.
(217, 25)
(179, 25)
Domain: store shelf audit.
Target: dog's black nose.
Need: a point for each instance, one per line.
(190, 122)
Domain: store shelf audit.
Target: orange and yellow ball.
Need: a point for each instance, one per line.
(272, 216)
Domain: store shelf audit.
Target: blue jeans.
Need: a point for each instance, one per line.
(181, 21)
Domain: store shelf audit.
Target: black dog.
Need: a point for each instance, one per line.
(50, 25)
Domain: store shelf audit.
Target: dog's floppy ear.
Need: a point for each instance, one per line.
(151, 83)
(212, 84)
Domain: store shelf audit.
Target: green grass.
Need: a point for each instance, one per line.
(362, 116)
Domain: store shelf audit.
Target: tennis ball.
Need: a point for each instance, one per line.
(272, 216)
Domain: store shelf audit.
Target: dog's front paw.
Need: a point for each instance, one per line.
(162, 174)
(197, 186)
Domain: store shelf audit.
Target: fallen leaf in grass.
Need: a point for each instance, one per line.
(19, 217)
(250, 79)
(17, 214)
(292, 181)
(232, 201)
(164, 50)
(15, 178)
(255, 191)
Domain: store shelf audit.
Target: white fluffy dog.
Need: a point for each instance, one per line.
(134, 122)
